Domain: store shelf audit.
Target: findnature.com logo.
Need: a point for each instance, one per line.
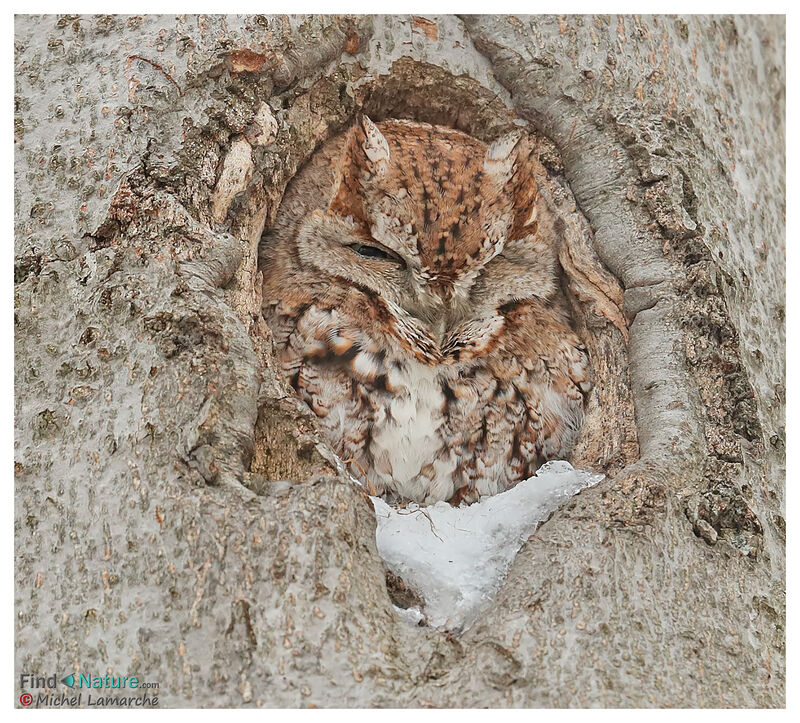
(121, 691)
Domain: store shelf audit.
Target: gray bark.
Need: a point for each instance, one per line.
(151, 535)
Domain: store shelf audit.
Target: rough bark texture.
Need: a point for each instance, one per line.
(177, 514)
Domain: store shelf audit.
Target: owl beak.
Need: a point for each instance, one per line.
(443, 288)
(438, 306)
(449, 307)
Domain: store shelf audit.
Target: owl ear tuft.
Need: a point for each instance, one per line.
(365, 160)
(369, 149)
(501, 155)
(375, 146)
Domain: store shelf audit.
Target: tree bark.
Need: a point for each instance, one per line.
(177, 514)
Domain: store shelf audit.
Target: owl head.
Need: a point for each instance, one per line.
(437, 223)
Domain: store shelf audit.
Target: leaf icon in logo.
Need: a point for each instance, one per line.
(69, 680)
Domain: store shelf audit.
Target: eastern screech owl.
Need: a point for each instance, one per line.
(417, 310)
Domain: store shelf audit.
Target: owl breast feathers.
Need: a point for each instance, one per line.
(416, 308)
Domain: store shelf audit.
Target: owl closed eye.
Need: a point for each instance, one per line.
(418, 311)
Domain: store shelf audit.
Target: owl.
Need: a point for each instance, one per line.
(411, 283)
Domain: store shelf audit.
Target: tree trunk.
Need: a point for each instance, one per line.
(177, 514)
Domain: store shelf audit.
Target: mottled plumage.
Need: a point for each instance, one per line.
(411, 285)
